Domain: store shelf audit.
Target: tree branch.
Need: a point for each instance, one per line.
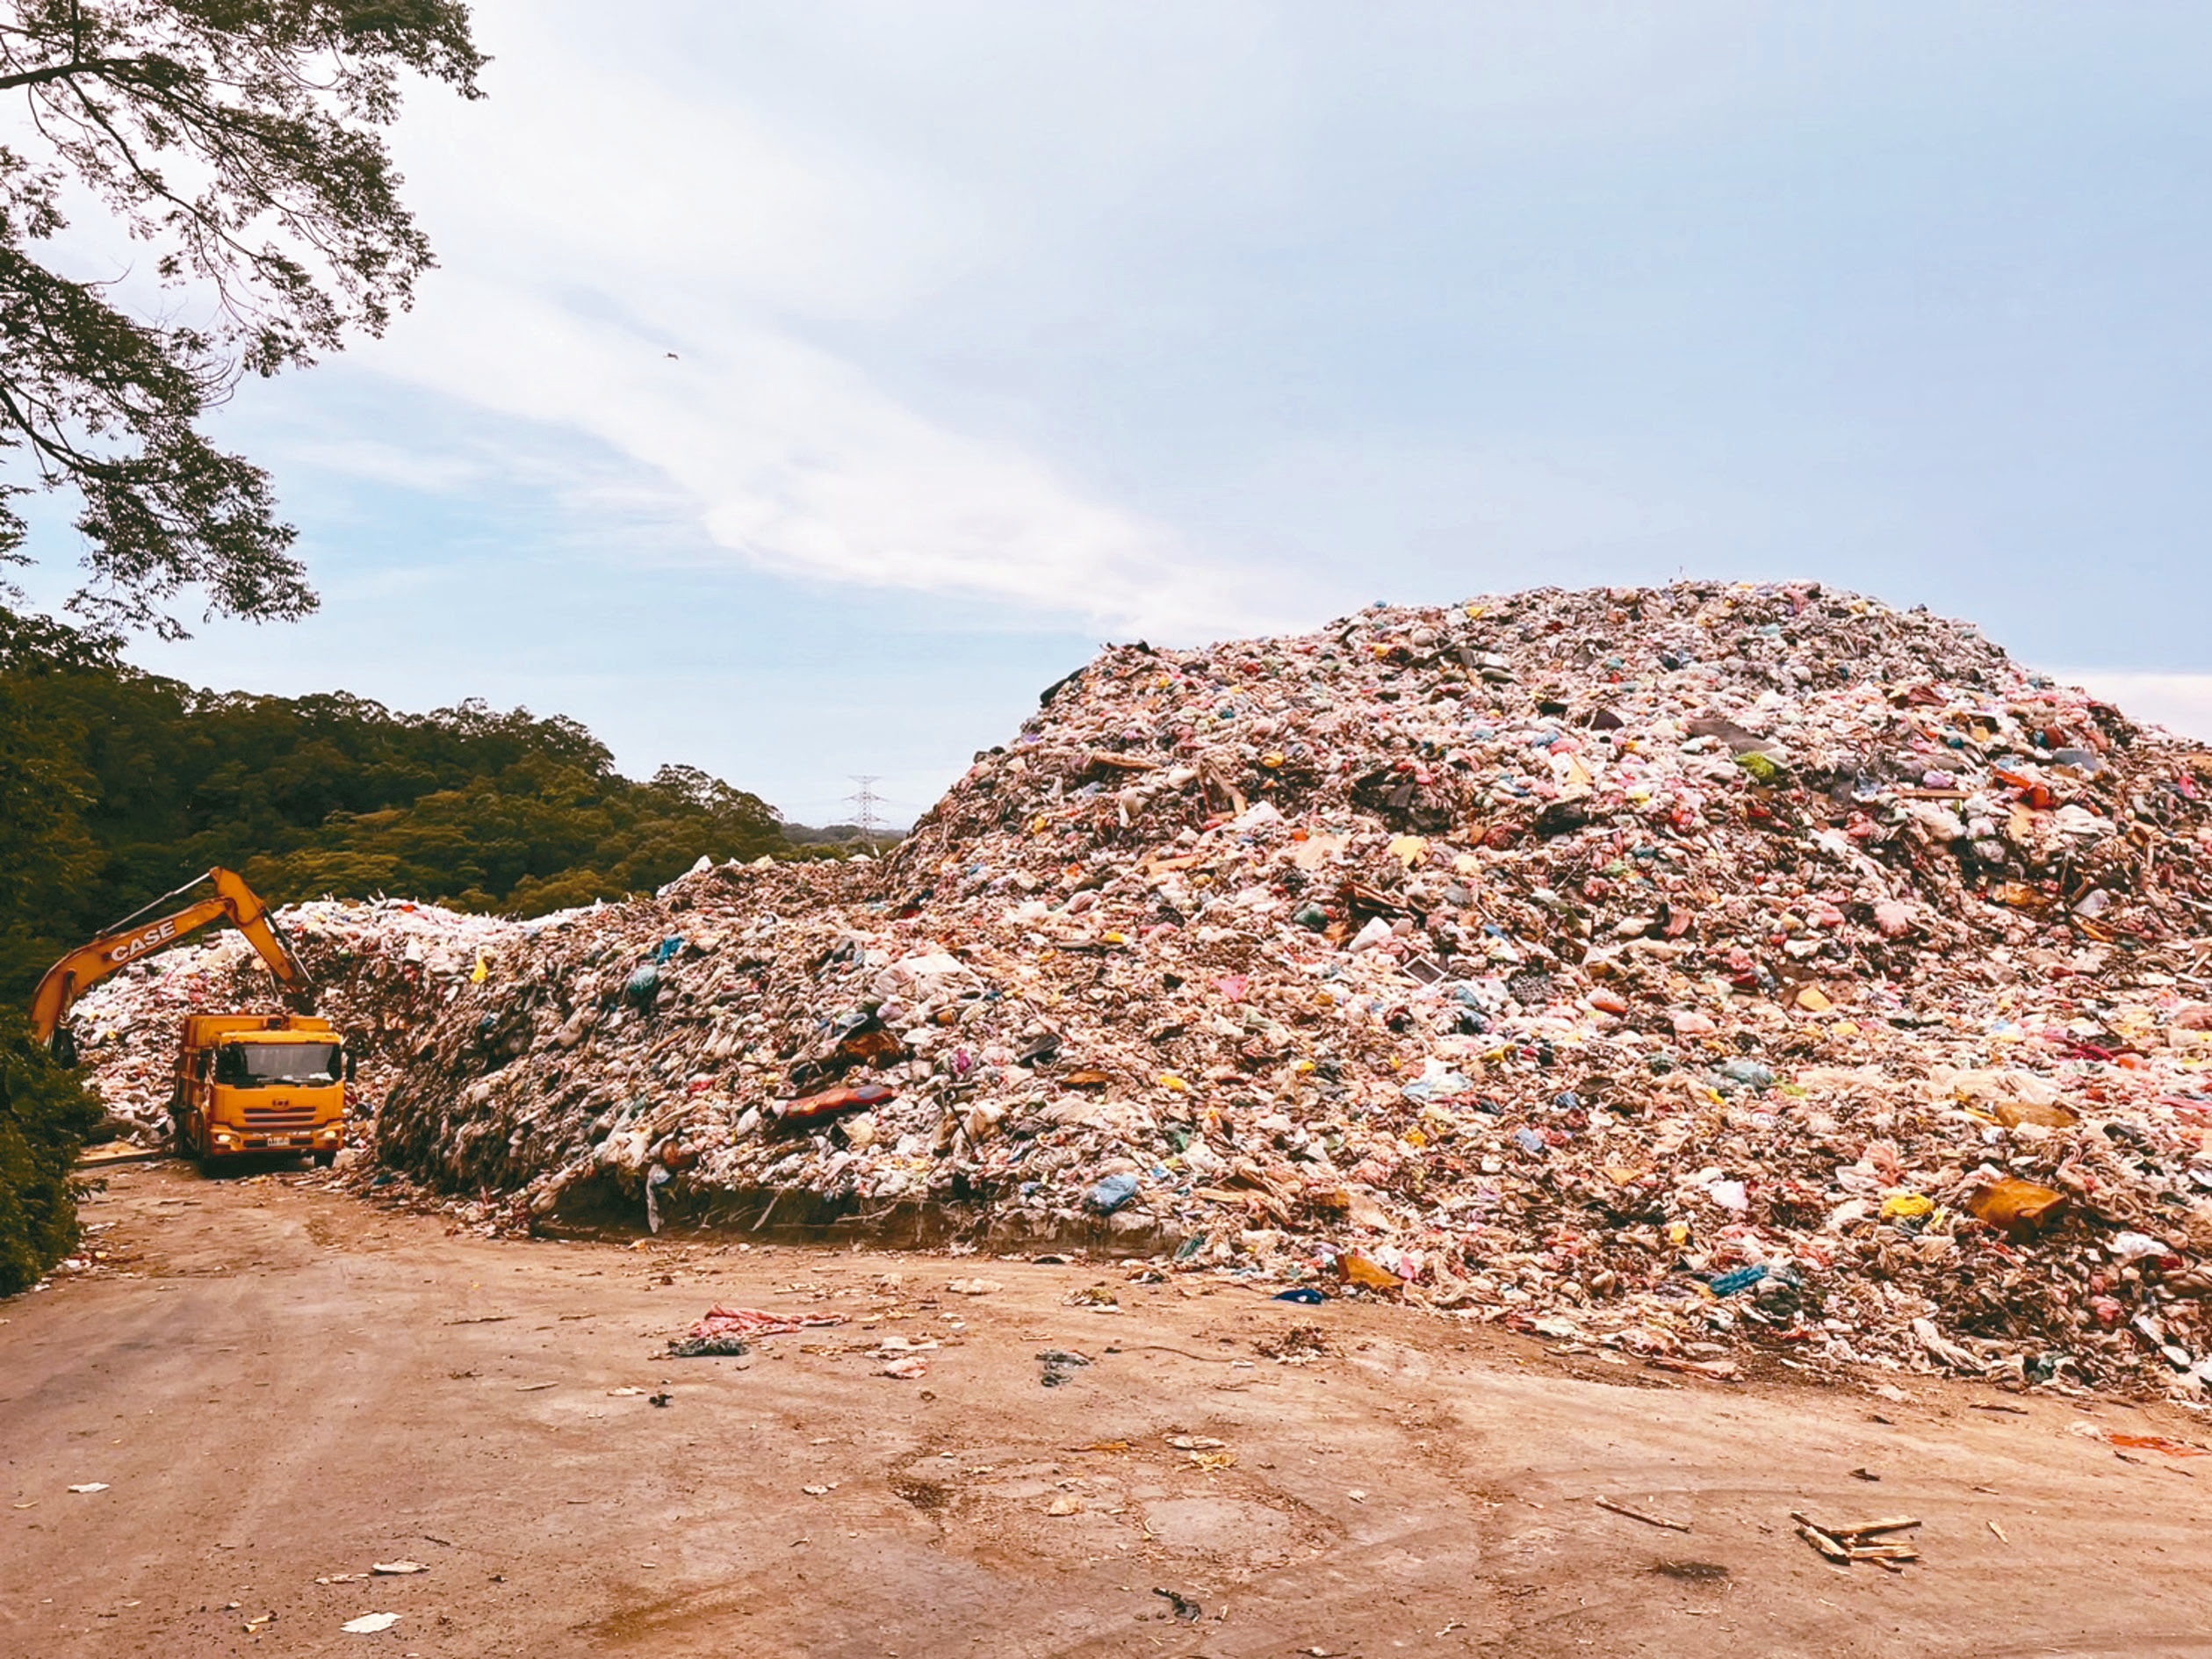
(240, 138)
(105, 67)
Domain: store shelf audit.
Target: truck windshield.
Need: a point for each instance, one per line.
(255, 1065)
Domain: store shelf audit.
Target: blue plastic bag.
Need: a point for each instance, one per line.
(1741, 1278)
(1112, 1192)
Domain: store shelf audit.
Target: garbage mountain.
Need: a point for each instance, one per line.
(1689, 970)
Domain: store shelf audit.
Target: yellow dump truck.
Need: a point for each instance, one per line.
(245, 1082)
(260, 1083)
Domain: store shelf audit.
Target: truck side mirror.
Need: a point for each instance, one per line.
(352, 1064)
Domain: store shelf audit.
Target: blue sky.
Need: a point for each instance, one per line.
(1001, 330)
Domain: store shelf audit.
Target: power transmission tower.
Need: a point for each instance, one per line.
(865, 801)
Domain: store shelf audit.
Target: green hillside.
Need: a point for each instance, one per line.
(116, 785)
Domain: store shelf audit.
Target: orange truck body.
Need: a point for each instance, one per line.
(250, 1084)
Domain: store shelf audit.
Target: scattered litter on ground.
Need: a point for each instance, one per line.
(1845, 1545)
(727, 1331)
(1059, 1365)
(1185, 1609)
(2160, 1443)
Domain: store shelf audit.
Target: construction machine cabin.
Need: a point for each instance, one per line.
(260, 1083)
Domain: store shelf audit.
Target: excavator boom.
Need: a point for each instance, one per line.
(135, 936)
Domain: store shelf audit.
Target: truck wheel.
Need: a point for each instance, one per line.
(324, 1160)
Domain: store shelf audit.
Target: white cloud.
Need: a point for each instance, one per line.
(591, 224)
(797, 463)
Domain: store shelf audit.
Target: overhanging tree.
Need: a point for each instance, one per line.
(241, 142)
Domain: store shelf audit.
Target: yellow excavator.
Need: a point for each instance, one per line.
(245, 1083)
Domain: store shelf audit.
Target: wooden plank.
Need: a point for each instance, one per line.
(1639, 1515)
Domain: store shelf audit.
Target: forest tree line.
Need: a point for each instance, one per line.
(117, 786)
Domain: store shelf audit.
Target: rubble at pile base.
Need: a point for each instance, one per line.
(382, 971)
(1657, 968)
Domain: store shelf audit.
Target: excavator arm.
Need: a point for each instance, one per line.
(135, 936)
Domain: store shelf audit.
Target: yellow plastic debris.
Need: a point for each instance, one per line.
(2018, 1208)
(1358, 1270)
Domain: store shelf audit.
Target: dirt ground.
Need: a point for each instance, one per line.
(279, 1386)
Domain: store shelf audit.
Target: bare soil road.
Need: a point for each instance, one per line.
(277, 1386)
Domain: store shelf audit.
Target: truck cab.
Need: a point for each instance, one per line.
(260, 1084)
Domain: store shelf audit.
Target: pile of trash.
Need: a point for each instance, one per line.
(1642, 967)
(382, 972)
(1677, 969)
